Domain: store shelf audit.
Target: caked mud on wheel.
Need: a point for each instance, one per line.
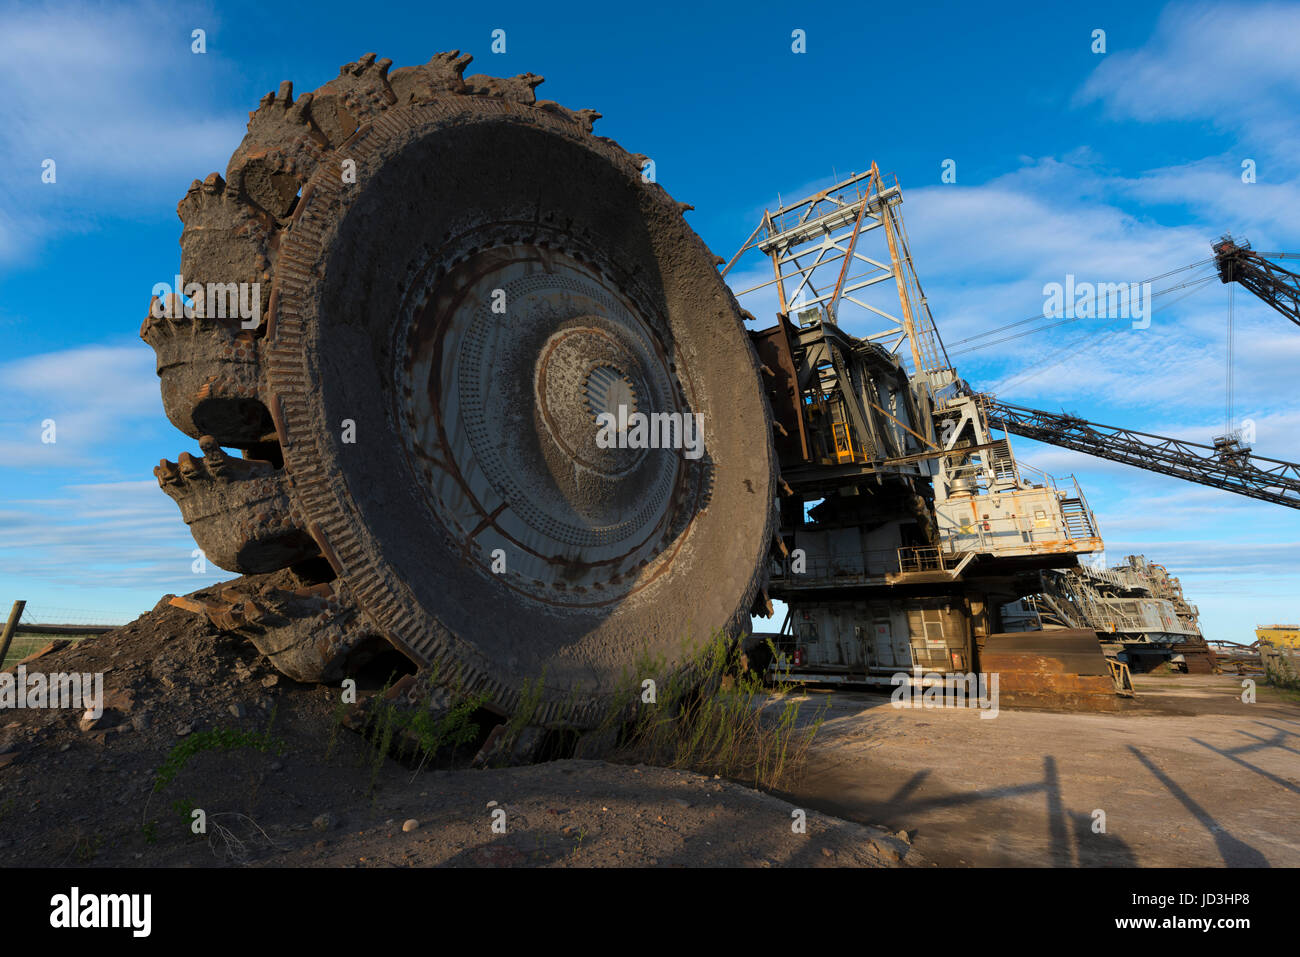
(461, 280)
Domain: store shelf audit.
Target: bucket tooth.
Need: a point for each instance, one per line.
(167, 473)
(444, 73)
(210, 375)
(359, 93)
(516, 89)
(307, 635)
(238, 510)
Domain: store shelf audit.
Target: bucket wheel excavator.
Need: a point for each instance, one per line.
(404, 313)
(399, 450)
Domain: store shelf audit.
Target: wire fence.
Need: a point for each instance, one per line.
(24, 642)
(38, 614)
(24, 645)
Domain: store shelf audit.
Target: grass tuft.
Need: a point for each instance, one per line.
(710, 718)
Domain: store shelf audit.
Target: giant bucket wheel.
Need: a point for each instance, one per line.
(458, 282)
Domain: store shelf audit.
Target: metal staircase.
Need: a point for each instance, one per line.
(1002, 463)
(1078, 518)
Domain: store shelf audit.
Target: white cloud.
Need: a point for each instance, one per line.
(96, 395)
(1213, 190)
(113, 547)
(1032, 226)
(102, 90)
(986, 252)
(1235, 65)
(115, 97)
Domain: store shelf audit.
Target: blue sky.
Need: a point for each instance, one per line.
(1113, 167)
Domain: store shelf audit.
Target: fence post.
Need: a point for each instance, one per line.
(11, 626)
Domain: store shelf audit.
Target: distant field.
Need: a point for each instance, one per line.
(25, 644)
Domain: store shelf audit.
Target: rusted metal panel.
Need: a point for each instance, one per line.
(782, 385)
(1062, 669)
(1065, 650)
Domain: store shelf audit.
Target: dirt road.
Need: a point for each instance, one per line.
(1187, 775)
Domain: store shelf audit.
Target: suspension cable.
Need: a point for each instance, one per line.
(1228, 421)
(1021, 322)
(1065, 322)
(1083, 342)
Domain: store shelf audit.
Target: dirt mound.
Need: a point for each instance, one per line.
(195, 720)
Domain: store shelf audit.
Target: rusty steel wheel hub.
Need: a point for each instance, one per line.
(575, 522)
(464, 283)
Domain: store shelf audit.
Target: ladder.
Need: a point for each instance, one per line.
(1078, 520)
(1123, 680)
(1002, 464)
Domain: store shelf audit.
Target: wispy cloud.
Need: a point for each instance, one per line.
(1213, 191)
(115, 546)
(111, 542)
(115, 97)
(96, 397)
(987, 251)
(1236, 66)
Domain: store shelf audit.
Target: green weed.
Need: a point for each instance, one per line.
(1280, 673)
(419, 731)
(708, 719)
(220, 739)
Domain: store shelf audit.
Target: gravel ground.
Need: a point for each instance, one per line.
(1188, 775)
(319, 797)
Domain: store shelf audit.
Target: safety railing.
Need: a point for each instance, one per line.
(921, 558)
